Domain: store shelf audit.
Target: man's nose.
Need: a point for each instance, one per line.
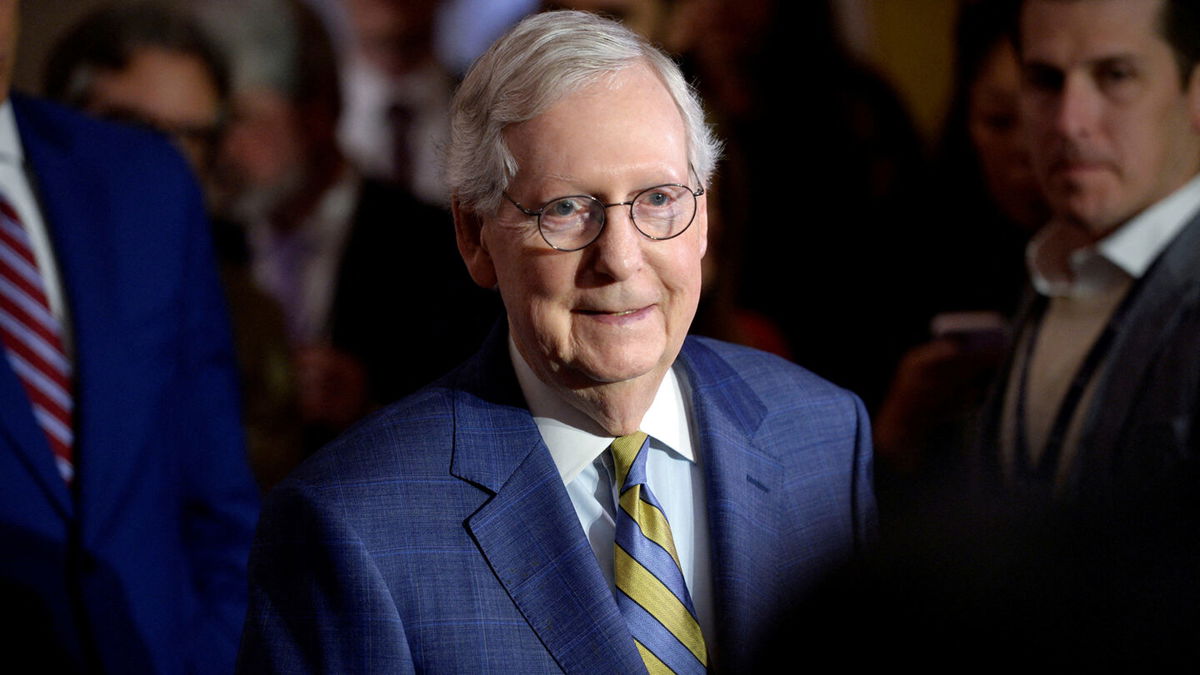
(618, 251)
(1078, 108)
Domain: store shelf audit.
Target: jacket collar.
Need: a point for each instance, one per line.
(530, 535)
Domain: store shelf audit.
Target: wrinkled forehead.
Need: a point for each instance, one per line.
(1052, 30)
(625, 118)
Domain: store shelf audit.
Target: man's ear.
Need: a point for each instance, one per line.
(468, 232)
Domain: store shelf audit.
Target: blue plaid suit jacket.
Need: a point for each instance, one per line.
(438, 535)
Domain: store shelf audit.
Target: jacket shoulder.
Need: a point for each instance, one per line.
(411, 437)
(773, 378)
(44, 124)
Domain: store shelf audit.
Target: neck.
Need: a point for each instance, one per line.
(1082, 236)
(617, 408)
(297, 206)
(601, 409)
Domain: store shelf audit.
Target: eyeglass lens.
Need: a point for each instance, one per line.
(659, 212)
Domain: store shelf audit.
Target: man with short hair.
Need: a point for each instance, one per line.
(151, 64)
(146, 63)
(1101, 398)
(334, 248)
(396, 94)
(593, 491)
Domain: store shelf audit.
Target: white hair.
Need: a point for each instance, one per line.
(539, 62)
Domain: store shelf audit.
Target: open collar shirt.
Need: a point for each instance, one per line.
(1084, 284)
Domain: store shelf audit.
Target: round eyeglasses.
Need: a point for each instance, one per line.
(572, 222)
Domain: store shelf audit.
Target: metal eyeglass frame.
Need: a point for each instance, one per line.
(538, 212)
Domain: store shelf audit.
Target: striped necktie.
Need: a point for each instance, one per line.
(32, 338)
(651, 592)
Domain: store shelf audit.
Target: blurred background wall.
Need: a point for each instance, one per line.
(908, 41)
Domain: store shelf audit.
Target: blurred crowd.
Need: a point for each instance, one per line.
(315, 129)
(839, 237)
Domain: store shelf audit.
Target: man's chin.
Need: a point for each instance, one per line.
(591, 374)
(1096, 218)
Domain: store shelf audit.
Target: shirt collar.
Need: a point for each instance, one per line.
(1061, 263)
(329, 221)
(324, 226)
(1135, 246)
(11, 151)
(575, 441)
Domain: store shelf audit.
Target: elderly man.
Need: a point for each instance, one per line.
(592, 492)
(1101, 399)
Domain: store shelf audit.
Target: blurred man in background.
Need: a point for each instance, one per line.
(396, 95)
(151, 64)
(126, 505)
(351, 260)
(1100, 402)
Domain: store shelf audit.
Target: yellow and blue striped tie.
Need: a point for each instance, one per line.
(651, 593)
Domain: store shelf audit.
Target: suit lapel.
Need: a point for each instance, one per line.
(77, 209)
(744, 482)
(984, 462)
(16, 415)
(1150, 318)
(29, 441)
(528, 532)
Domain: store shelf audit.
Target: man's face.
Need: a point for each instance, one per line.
(263, 154)
(619, 309)
(395, 35)
(8, 44)
(172, 91)
(1112, 128)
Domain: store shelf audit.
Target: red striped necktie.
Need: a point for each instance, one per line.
(32, 338)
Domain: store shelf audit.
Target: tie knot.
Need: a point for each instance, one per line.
(628, 458)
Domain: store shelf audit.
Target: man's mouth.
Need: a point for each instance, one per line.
(617, 316)
(624, 312)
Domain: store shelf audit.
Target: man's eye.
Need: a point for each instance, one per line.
(1042, 78)
(563, 208)
(1000, 122)
(657, 199)
(1117, 74)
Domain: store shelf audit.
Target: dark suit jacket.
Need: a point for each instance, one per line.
(438, 535)
(1142, 430)
(402, 289)
(138, 565)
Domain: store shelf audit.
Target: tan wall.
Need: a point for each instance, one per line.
(911, 43)
(908, 40)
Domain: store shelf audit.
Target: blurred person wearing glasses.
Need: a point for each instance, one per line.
(151, 64)
(520, 513)
(341, 253)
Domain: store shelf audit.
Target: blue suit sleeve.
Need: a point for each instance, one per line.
(221, 504)
(318, 603)
(865, 513)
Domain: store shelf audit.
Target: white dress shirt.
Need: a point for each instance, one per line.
(16, 186)
(299, 268)
(1084, 284)
(366, 131)
(673, 470)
